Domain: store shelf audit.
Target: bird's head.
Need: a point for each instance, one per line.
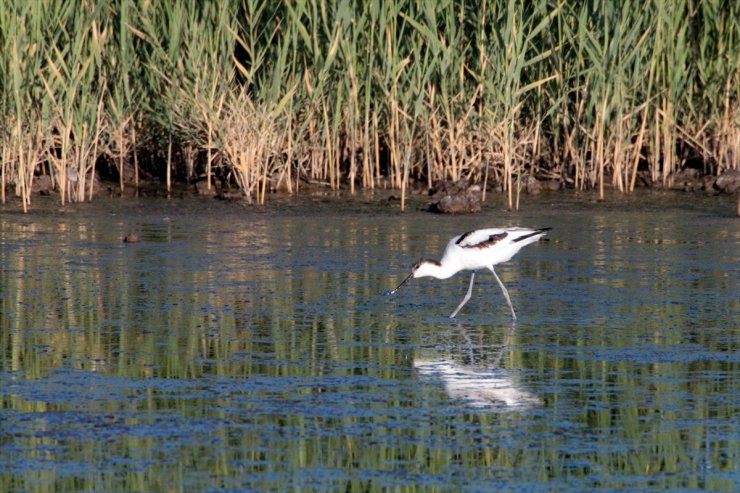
(421, 268)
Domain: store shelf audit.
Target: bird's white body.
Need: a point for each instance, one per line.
(479, 249)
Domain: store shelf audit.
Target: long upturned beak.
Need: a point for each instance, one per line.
(393, 291)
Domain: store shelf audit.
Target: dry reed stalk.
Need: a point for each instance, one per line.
(600, 146)
(25, 166)
(249, 135)
(210, 106)
(376, 147)
(4, 163)
(329, 158)
(366, 67)
(209, 153)
(352, 123)
(189, 155)
(728, 141)
(58, 153)
(285, 171)
(466, 134)
(407, 155)
(393, 139)
(668, 142)
(168, 171)
(9, 157)
(134, 153)
(119, 145)
(617, 151)
(34, 155)
(435, 138)
(451, 154)
(655, 148)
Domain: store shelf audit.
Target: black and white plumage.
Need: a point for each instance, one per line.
(479, 249)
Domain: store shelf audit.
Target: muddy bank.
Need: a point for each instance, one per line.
(380, 203)
(460, 197)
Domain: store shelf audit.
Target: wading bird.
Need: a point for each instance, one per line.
(479, 249)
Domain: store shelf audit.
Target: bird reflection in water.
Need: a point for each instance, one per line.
(477, 385)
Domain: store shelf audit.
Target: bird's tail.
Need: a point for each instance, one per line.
(535, 233)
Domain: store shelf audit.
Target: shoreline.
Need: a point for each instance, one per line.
(316, 198)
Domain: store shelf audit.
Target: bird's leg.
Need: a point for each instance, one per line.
(467, 296)
(506, 293)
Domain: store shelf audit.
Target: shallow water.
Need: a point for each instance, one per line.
(238, 348)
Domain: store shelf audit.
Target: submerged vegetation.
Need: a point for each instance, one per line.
(266, 95)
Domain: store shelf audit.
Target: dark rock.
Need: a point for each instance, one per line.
(707, 183)
(42, 185)
(232, 195)
(644, 179)
(279, 183)
(687, 179)
(440, 188)
(728, 181)
(551, 185)
(530, 184)
(456, 198)
(201, 188)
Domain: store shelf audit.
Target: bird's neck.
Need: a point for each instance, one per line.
(431, 268)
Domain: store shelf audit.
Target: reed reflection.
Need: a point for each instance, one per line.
(477, 376)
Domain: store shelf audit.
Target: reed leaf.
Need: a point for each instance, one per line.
(371, 93)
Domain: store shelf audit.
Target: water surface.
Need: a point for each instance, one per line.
(238, 348)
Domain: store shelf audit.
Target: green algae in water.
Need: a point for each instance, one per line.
(256, 352)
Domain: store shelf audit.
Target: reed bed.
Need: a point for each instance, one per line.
(271, 95)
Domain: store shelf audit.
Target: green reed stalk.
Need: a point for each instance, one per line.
(514, 51)
(716, 97)
(22, 130)
(446, 90)
(75, 93)
(124, 88)
(670, 58)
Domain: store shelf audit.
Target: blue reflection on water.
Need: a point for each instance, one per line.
(267, 352)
